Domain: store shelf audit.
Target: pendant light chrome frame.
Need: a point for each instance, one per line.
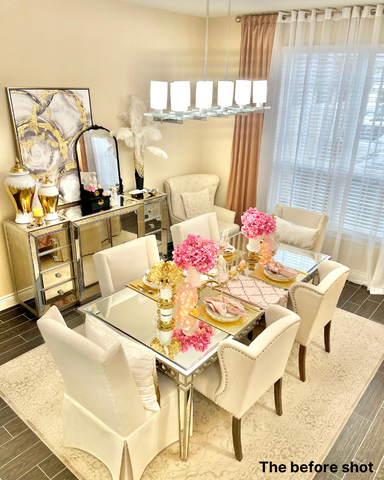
(220, 112)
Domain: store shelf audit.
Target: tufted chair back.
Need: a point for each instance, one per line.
(175, 186)
(316, 304)
(305, 218)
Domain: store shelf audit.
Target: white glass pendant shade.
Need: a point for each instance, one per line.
(259, 92)
(243, 92)
(159, 96)
(180, 96)
(225, 94)
(204, 95)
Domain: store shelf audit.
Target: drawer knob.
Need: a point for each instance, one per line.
(56, 258)
(58, 275)
(151, 212)
(152, 225)
(54, 241)
(101, 201)
(60, 292)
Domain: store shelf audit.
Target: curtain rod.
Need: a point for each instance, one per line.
(288, 14)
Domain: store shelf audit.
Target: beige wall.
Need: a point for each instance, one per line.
(216, 138)
(112, 47)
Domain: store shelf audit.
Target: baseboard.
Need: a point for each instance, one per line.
(8, 301)
(357, 277)
(11, 299)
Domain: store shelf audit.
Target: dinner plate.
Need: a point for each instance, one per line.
(149, 284)
(279, 278)
(228, 318)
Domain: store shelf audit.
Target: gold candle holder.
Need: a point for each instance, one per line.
(38, 215)
(253, 259)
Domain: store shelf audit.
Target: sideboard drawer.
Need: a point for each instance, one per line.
(152, 226)
(53, 240)
(59, 290)
(152, 210)
(57, 275)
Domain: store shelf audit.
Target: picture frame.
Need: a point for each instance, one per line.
(47, 122)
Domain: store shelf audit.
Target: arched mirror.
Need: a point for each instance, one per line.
(98, 159)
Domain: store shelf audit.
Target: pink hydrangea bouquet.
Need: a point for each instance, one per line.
(196, 252)
(257, 223)
(200, 340)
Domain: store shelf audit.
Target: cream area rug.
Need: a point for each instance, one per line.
(314, 412)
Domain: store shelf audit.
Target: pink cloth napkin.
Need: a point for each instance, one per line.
(255, 292)
(279, 269)
(224, 305)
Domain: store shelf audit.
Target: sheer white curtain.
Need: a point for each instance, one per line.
(323, 140)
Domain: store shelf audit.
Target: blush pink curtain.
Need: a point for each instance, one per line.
(257, 33)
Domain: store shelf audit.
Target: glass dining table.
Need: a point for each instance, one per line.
(132, 313)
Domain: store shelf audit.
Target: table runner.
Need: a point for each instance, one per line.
(255, 292)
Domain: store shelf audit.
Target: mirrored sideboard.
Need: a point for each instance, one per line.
(53, 264)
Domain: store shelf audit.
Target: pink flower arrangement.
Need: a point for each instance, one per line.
(200, 340)
(196, 252)
(256, 223)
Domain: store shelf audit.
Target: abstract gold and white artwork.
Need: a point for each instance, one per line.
(47, 123)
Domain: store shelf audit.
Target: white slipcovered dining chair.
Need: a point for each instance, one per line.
(316, 304)
(301, 228)
(203, 225)
(102, 411)
(117, 266)
(195, 183)
(243, 373)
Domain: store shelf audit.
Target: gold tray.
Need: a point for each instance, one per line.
(234, 256)
(259, 274)
(137, 284)
(231, 328)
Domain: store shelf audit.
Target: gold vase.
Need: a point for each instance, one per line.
(49, 195)
(20, 187)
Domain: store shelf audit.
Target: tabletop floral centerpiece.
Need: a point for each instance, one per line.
(196, 255)
(258, 227)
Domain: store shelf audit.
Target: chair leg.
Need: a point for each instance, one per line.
(278, 399)
(236, 437)
(302, 354)
(327, 337)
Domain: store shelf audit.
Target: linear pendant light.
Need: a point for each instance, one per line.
(180, 93)
(204, 89)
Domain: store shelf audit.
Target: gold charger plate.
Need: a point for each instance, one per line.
(231, 328)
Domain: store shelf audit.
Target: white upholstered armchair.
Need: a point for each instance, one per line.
(313, 225)
(194, 183)
(117, 266)
(316, 304)
(102, 412)
(243, 373)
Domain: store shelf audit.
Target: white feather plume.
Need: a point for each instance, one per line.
(157, 151)
(124, 116)
(136, 111)
(141, 132)
(126, 135)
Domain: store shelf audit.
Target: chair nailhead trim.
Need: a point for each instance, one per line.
(251, 358)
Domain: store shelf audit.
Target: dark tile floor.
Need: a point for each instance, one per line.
(24, 457)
